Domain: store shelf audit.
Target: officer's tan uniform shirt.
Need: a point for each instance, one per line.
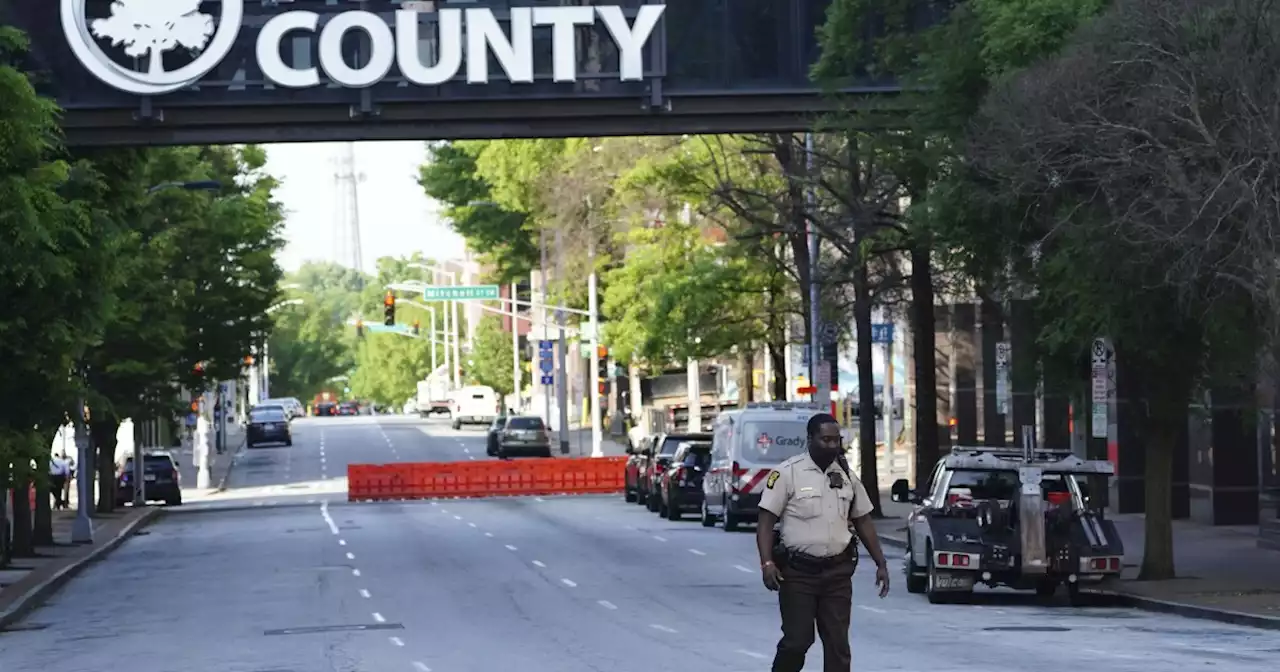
(814, 516)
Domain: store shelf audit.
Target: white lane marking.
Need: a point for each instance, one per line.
(488, 534)
(753, 654)
(397, 641)
(659, 538)
(328, 519)
(364, 592)
(740, 568)
(874, 610)
(321, 459)
(511, 548)
(342, 542)
(663, 628)
(457, 517)
(444, 510)
(435, 503)
(472, 524)
(539, 563)
(355, 572)
(473, 457)
(607, 604)
(696, 551)
(379, 618)
(351, 556)
(569, 583)
(466, 450)
(536, 499)
(420, 666)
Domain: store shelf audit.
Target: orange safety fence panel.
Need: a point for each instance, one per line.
(496, 478)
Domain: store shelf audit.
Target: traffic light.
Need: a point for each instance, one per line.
(359, 328)
(199, 368)
(417, 326)
(602, 369)
(389, 309)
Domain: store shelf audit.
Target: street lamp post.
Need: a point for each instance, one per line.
(593, 320)
(139, 456)
(450, 307)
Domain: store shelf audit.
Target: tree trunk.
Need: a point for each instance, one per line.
(103, 433)
(23, 544)
(866, 388)
(6, 546)
(924, 344)
(746, 376)
(42, 530)
(1157, 548)
(778, 351)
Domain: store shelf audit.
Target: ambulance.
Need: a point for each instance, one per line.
(746, 445)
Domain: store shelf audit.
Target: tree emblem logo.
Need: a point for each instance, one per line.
(147, 30)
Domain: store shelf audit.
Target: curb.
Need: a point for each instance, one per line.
(226, 474)
(1190, 610)
(35, 597)
(1155, 605)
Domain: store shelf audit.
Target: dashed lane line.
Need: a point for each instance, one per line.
(753, 654)
(420, 666)
(659, 538)
(539, 564)
(662, 628)
(511, 548)
(328, 519)
(379, 617)
(364, 592)
(355, 572)
(741, 568)
(351, 556)
(606, 604)
(696, 551)
(569, 583)
(397, 641)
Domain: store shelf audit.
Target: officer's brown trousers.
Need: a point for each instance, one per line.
(824, 598)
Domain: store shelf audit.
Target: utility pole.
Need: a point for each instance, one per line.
(593, 322)
(515, 351)
(432, 312)
(562, 383)
(546, 328)
(822, 387)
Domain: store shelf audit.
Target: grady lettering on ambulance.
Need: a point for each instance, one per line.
(483, 34)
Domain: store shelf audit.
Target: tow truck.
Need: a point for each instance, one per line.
(1021, 518)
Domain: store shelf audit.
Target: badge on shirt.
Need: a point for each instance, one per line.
(773, 478)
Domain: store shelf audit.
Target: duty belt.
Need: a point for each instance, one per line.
(813, 563)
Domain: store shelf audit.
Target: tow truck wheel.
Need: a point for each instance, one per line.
(707, 520)
(1077, 597)
(916, 584)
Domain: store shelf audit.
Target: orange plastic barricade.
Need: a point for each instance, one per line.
(495, 478)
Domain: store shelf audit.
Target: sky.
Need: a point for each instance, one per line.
(396, 217)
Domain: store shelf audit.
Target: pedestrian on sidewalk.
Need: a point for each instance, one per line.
(59, 472)
(820, 505)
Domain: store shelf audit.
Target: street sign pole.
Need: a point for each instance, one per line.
(546, 328)
(515, 352)
(562, 389)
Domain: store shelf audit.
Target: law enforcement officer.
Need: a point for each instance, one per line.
(820, 504)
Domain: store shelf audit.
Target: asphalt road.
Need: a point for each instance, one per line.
(282, 575)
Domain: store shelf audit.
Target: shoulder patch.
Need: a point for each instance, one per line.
(773, 478)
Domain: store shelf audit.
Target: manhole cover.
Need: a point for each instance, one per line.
(1028, 628)
(310, 630)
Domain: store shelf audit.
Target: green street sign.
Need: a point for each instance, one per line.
(461, 293)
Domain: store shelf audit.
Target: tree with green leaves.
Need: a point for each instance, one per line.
(312, 343)
(56, 272)
(490, 360)
(1151, 224)
(388, 368)
(500, 236)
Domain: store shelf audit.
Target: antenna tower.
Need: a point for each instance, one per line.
(346, 235)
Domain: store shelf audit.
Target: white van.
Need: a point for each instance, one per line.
(474, 405)
(746, 445)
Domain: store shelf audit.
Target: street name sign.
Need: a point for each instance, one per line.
(146, 29)
(461, 293)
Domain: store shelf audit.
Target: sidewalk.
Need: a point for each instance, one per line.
(1222, 574)
(28, 582)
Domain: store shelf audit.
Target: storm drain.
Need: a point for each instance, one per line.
(1028, 628)
(316, 629)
